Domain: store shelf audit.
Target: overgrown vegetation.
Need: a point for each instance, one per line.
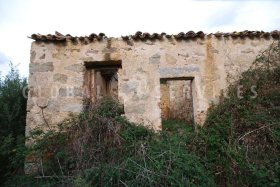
(240, 141)
(100, 148)
(12, 121)
(239, 144)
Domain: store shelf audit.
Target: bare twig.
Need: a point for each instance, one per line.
(42, 110)
(59, 165)
(250, 132)
(54, 176)
(123, 183)
(42, 168)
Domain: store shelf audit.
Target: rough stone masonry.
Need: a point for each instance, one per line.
(155, 76)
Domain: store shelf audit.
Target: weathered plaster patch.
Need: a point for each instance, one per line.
(72, 107)
(170, 59)
(136, 108)
(155, 59)
(130, 87)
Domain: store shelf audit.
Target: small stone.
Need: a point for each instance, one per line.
(45, 92)
(214, 50)
(32, 56)
(75, 67)
(149, 43)
(87, 59)
(91, 51)
(77, 80)
(247, 51)
(62, 92)
(71, 92)
(75, 50)
(43, 56)
(127, 48)
(78, 92)
(53, 106)
(155, 59)
(60, 78)
(33, 92)
(110, 50)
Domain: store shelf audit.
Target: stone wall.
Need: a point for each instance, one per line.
(57, 74)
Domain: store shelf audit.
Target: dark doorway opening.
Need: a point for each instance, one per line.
(176, 99)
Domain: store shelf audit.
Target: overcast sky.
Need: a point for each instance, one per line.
(21, 18)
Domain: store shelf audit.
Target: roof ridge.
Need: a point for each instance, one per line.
(58, 37)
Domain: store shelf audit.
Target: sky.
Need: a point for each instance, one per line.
(21, 18)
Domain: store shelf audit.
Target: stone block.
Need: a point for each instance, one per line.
(75, 67)
(175, 72)
(72, 107)
(58, 77)
(42, 67)
(130, 87)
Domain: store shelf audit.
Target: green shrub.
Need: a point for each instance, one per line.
(12, 124)
(240, 139)
(101, 148)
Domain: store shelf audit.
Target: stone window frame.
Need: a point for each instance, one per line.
(91, 66)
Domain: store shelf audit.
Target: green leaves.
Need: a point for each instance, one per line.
(12, 123)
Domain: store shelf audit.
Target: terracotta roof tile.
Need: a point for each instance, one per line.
(58, 37)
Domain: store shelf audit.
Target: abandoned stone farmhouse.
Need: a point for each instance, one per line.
(154, 76)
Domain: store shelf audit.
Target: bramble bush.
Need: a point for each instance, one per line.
(101, 148)
(240, 140)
